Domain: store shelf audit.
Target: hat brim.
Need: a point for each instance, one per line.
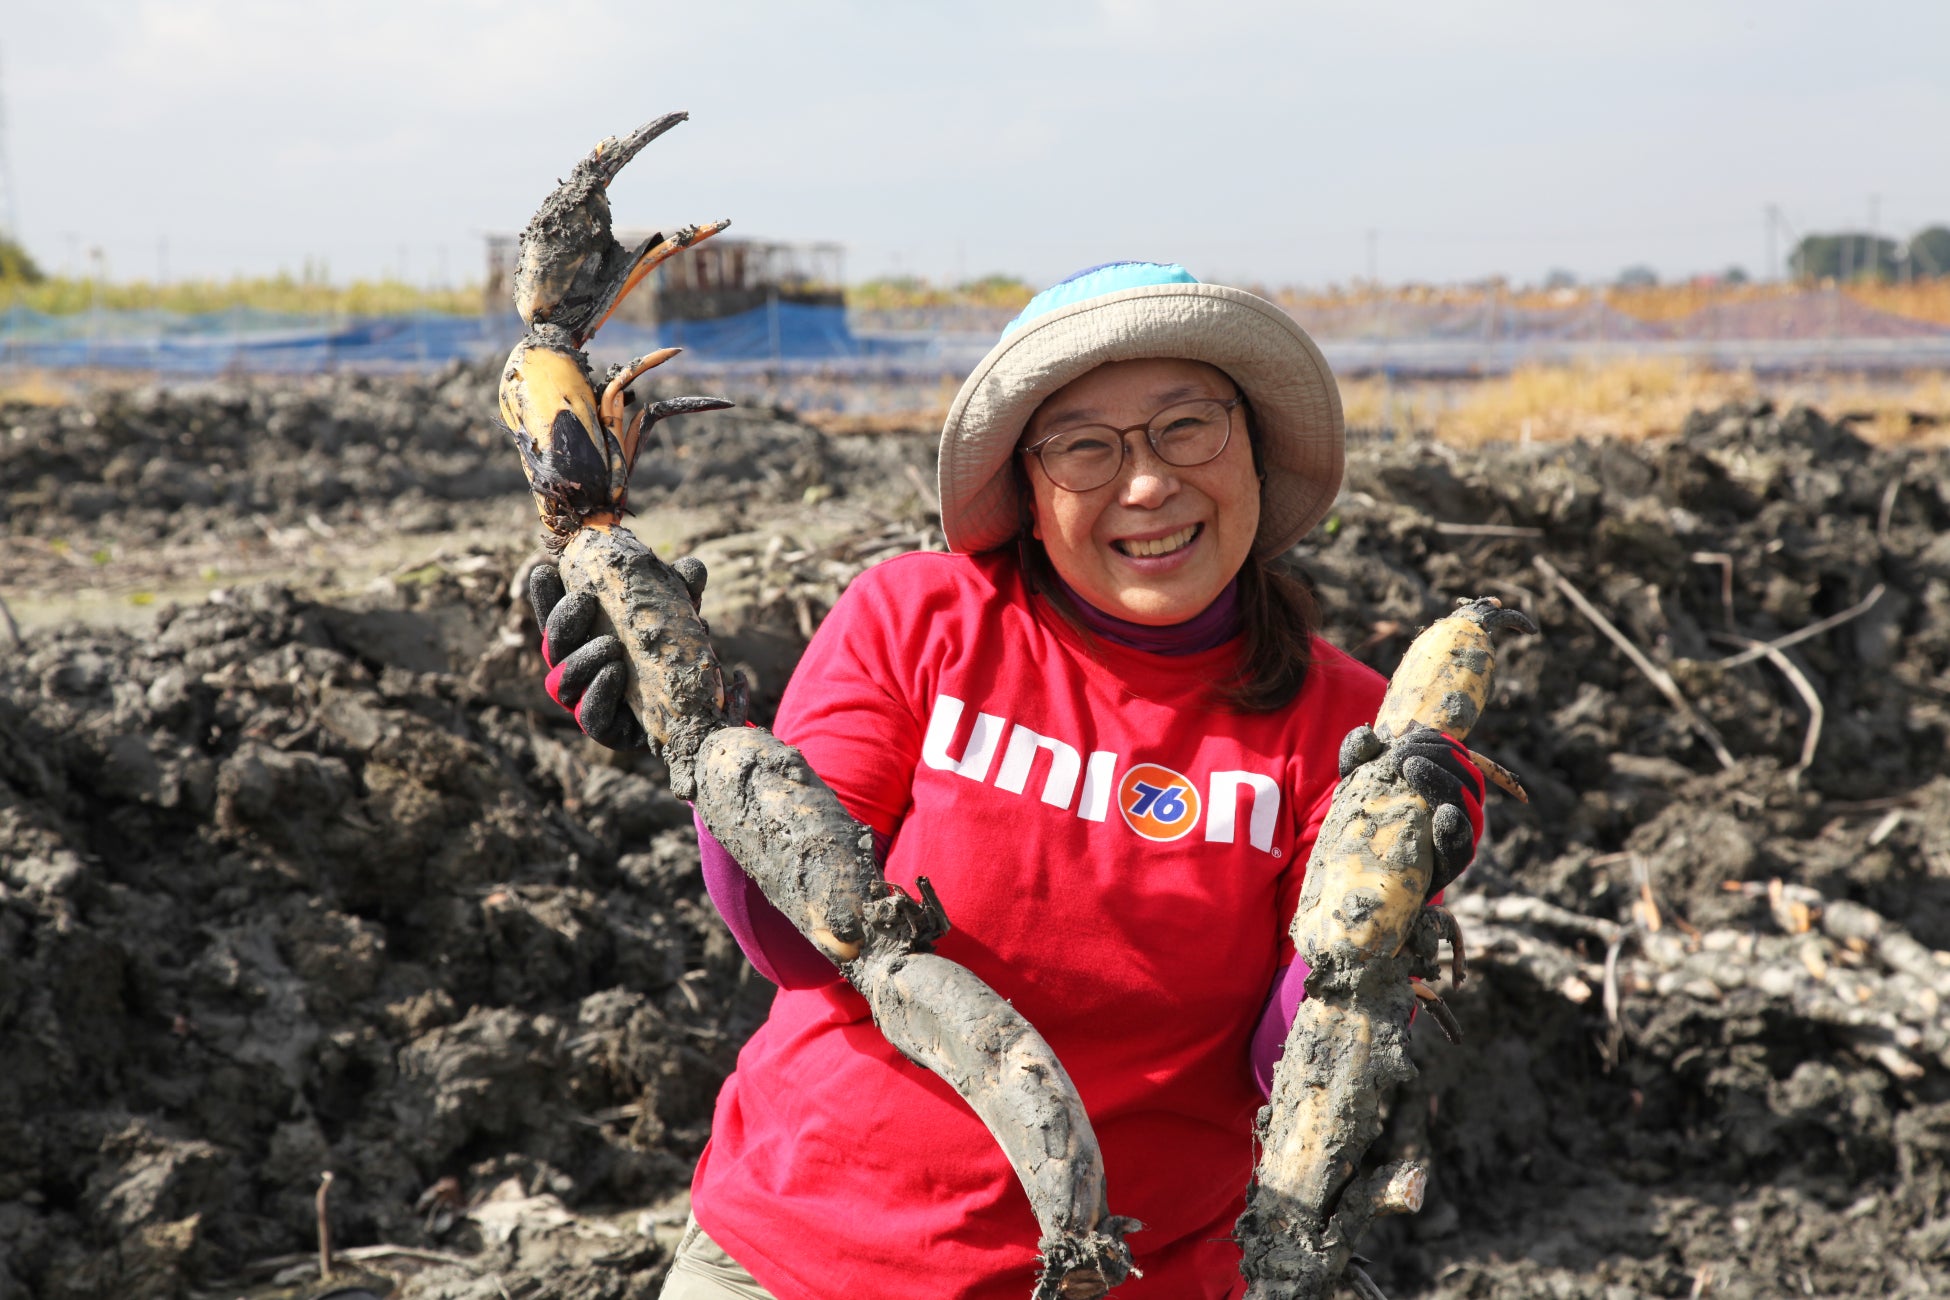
(1295, 402)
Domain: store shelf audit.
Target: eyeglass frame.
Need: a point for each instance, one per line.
(1231, 404)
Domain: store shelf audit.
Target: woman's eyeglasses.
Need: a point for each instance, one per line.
(1184, 434)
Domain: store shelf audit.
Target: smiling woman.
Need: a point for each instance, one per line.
(1140, 496)
(1120, 478)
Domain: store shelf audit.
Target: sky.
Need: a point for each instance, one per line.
(1288, 143)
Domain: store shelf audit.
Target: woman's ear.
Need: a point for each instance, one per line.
(1028, 523)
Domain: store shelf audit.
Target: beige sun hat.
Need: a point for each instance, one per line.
(1126, 311)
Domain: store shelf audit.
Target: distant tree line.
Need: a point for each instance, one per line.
(1852, 255)
(16, 265)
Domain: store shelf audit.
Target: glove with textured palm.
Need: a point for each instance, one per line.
(1438, 767)
(585, 676)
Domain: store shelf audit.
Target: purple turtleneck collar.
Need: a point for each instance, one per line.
(1218, 624)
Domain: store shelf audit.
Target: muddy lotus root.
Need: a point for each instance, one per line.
(756, 794)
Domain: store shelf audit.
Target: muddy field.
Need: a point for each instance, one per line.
(299, 871)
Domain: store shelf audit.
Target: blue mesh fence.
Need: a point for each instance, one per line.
(1809, 330)
(256, 341)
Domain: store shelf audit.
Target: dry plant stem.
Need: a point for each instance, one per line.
(924, 488)
(1805, 689)
(361, 1254)
(789, 832)
(1488, 530)
(1725, 562)
(1525, 909)
(1888, 508)
(1759, 649)
(1502, 777)
(1444, 1018)
(324, 1226)
(1658, 676)
(1364, 1286)
(1614, 1031)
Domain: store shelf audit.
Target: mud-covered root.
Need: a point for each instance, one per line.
(578, 449)
(1364, 931)
(787, 830)
(1370, 869)
(569, 263)
(677, 688)
(1083, 1266)
(941, 1016)
(1322, 1260)
(1347, 1048)
(1444, 679)
(550, 410)
(790, 833)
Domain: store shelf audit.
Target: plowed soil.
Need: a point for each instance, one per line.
(299, 871)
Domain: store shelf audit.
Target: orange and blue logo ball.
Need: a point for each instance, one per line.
(1157, 803)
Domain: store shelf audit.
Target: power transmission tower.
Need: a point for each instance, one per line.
(1777, 222)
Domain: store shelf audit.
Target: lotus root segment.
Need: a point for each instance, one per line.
(757, 795)
(1444, 679)
(1364, 931)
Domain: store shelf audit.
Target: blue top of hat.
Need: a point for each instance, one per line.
(1095, 282)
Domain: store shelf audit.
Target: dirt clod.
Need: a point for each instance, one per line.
(290, 884)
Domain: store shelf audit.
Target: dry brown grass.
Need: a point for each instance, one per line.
(36, 388)
(898, 293)
(1927, 300)
(1916, 413)
(1663, 303)
(1634, 400)
(1301, 301)
(61, 296)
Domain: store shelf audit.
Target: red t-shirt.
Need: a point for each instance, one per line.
(1120, 859)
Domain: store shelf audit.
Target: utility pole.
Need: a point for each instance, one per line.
(9, 211)
(1374, 238)
(1772, 267)
(1875, 220)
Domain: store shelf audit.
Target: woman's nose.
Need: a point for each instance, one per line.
(1148, 480)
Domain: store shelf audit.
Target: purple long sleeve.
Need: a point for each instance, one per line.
(774, 947)
(1269, 1039)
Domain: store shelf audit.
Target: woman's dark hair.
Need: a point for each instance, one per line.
(1277, 609)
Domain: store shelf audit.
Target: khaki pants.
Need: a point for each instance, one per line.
(702, 1271)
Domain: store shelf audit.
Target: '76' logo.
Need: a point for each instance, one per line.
(1157, 803)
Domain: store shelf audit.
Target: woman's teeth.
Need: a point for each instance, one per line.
(1161, 545)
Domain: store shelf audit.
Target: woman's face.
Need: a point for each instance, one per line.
(1156, 544)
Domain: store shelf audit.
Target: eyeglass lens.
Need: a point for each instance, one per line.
(1183, 434)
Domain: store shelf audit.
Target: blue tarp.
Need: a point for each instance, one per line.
(243, 340)
(1792, 332)
(217, 342)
